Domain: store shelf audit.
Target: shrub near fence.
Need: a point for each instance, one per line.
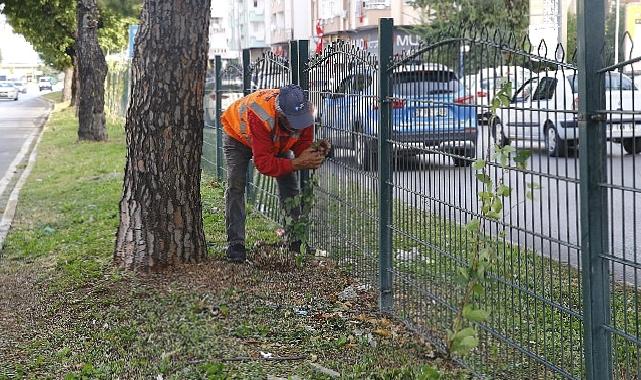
(393, 203)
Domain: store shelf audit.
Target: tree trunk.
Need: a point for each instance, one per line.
(67, 89)
(161, 211)
(92, 69)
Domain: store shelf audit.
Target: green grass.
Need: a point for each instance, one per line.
(53, 96)
(66, 312)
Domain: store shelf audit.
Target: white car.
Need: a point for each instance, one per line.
(21, 87)
(45, 83)
(488, 82)
(544, 110)
(8, 91)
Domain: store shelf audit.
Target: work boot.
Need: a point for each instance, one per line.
(294, 246)
(236, 253)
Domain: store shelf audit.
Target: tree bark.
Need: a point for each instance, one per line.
(67, 89)
(92, 69)
(161, 211)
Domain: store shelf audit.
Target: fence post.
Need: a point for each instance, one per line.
(302, 79)
(127, 89)
(293, 61)
(594, 216)
(219, 130)
(247, 84)
(385, 53)
(247, 75)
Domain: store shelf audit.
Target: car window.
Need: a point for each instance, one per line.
(5, 85)
(360, 82)
(344, 86)
(526, 90)
(545, 89)
(613, 81)
(616, 81)
(421, 83)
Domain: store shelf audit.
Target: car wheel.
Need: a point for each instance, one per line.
(499, 135)
(364, 153)
(461, 162)
(555, 146)
(468, 158)
(632, 145)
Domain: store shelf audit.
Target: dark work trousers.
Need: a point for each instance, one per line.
(237, 157)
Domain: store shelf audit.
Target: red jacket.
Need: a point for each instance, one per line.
(262, 146)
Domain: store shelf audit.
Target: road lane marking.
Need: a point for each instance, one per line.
(10, 208)
(11, 171)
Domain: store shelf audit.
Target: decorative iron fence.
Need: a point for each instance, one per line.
(420, 144)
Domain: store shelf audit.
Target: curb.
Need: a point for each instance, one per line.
(12, 203)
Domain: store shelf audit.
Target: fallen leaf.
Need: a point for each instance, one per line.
(383, 332)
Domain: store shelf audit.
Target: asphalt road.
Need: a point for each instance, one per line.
(18, 121)
(550, 222)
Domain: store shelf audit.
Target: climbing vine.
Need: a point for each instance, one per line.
(462, 337)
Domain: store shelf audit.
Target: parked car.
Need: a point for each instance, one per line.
(8, 91)
(490, 80)
(431, 109)
(544, 110)
(44, 83)
(21, 87)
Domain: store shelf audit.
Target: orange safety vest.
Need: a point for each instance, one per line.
(263, 104)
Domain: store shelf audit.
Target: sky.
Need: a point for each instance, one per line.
(14, 47)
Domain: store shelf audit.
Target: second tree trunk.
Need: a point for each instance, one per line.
(92, 69)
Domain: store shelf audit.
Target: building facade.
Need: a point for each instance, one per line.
(248, 23)
(220, 33)
(358, 21)
(289, 20)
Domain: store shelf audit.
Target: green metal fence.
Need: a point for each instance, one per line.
(117, 89)
(394, 201)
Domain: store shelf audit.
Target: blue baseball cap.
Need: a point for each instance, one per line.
(292, 104)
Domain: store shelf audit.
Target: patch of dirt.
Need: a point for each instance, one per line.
(21, 301)
(272, 257)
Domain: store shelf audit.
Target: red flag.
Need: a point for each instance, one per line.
(319, 37)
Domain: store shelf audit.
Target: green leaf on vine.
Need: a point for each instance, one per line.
(484, 178)
(521, 158)
(475, 315)
(473, 226)
(479, 164)
(504, 191)
(478, 289)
